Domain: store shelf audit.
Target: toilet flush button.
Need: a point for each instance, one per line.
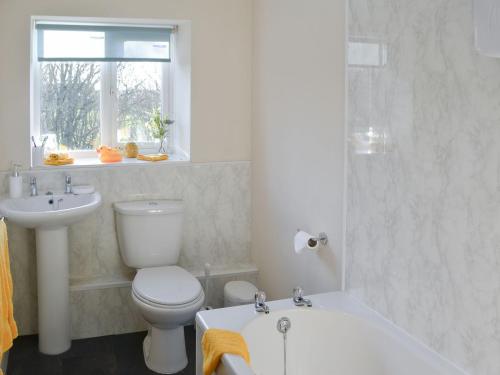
(153, 205)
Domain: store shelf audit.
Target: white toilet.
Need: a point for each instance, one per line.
(168, 297)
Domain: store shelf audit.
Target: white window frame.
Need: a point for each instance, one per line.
(109, 97)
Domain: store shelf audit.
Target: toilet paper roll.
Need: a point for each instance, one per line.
(304, 240)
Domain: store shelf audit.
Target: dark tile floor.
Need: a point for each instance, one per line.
(108, 355)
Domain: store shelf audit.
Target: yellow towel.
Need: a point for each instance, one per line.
(152, 157)
(8, 327)
(59, 162)
(60, 158)
(217, 342)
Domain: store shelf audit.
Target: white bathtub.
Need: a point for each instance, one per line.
(336, 336)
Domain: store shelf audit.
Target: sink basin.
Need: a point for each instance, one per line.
(50, 216)
(49, 211)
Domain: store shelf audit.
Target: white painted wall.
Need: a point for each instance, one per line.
(298, 141)
(221, 69)
(298, 109)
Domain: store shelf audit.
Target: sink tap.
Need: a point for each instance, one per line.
(33, 187)
(298, 298)
(68, 189)
(260, 302)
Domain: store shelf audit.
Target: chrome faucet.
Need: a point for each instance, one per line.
(68, 189)
(33, 187)
(298, 298)
(260, 302)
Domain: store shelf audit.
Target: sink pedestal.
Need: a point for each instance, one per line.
(51, 221)
(54, 333)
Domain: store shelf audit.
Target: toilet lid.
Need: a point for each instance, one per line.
(170, 285)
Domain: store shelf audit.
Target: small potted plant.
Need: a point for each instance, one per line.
(160, 127)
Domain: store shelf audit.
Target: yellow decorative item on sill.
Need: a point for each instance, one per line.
(217, 342)
(109, 154)
(152, 157)
(56, 159)
(131, 150)
(8, 327)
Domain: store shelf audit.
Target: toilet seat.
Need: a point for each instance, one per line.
(167, 287)
(147, 302)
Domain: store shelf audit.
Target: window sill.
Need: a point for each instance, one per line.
(94, 162)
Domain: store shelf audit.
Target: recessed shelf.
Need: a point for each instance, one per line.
(125, 280)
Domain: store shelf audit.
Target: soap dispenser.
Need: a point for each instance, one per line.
(15, 183)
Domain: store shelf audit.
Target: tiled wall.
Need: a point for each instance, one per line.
(216, 230)
(423, 220)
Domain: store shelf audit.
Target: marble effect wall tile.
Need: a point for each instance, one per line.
(111, 311)
(102, 312)
(216, 229)
(423, 222)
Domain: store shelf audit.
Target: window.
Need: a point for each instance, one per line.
(99, 84)
(70, 104)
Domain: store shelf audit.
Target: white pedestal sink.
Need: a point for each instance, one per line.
(50, 216)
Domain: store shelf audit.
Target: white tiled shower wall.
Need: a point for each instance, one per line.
(423, 221)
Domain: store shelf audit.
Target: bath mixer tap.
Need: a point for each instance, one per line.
(260, 302)
(33, 187)
(68, 189)
(298, 298)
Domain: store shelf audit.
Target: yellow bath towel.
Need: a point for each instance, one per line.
(8, 327)
(217, 342)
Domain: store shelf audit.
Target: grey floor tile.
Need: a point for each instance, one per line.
(108, 355)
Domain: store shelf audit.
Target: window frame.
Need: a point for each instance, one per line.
(108, 97)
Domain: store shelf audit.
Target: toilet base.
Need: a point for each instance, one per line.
(165, 350)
